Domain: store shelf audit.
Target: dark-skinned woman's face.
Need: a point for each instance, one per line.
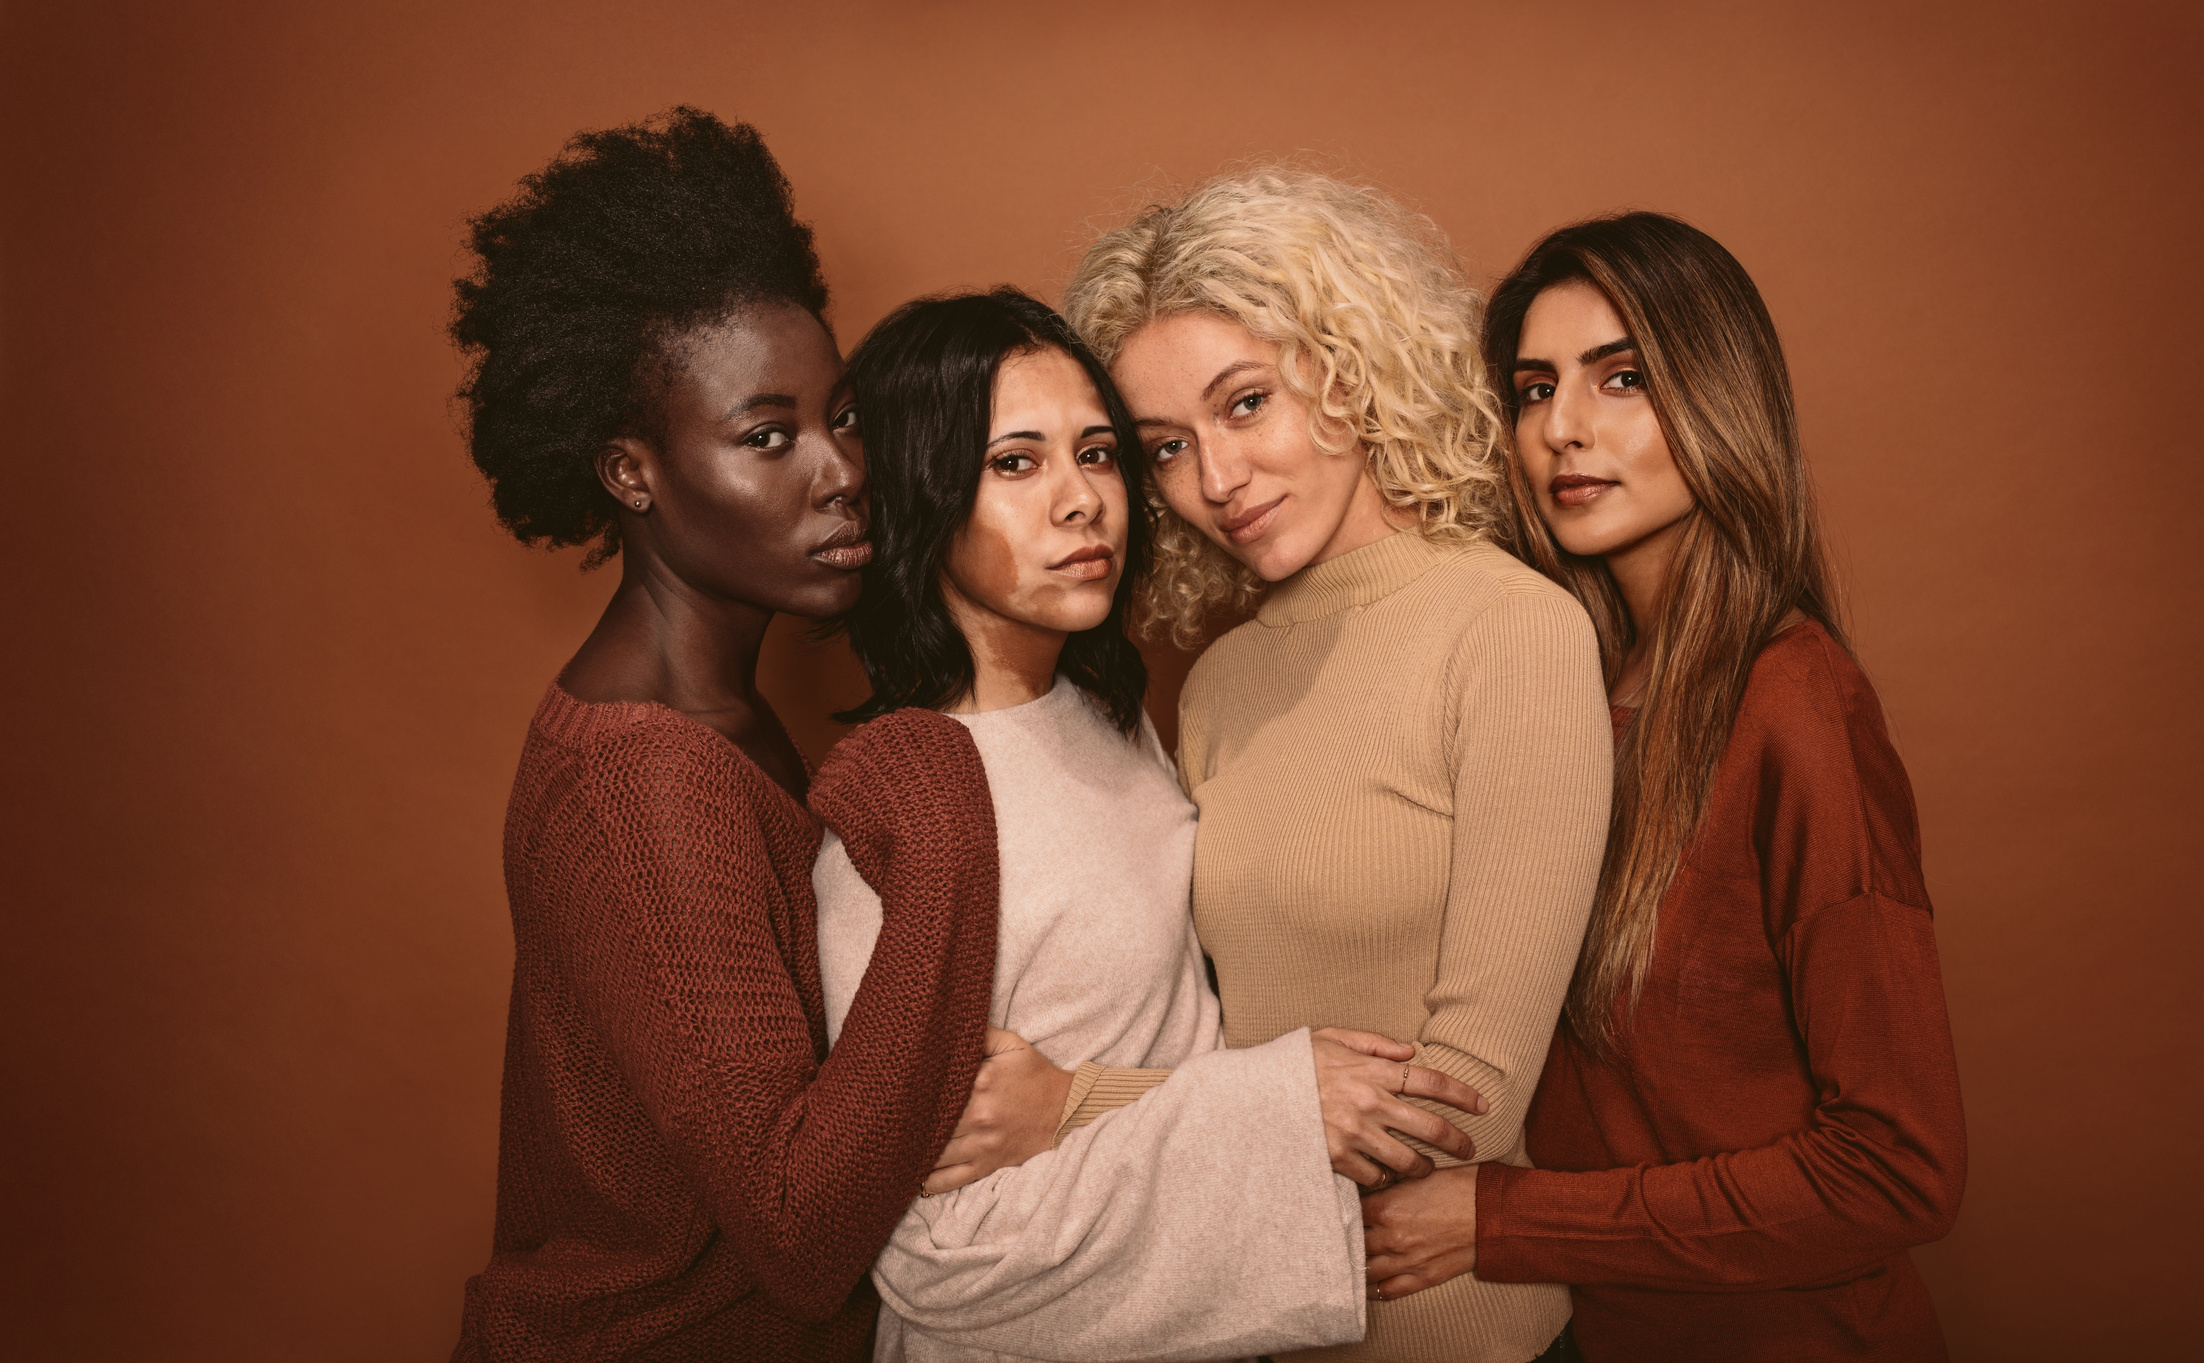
(755, 490)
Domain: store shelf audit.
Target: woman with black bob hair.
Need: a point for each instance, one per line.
(683, 1172)
(927, 379)
(1205, 1219)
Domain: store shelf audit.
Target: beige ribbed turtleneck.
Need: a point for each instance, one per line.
(1402, 768)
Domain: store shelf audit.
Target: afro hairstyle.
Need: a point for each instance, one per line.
(585, 285)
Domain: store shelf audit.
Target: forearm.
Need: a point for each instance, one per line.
(1534, 765)
(909, 798)
(806, 1166)
(1805, 1210)
(1878, 1167)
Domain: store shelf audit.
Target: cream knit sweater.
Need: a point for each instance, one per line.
(1402, 767)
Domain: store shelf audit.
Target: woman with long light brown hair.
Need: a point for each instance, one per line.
(1752, 1110)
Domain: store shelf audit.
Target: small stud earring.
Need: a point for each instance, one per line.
(638, 504)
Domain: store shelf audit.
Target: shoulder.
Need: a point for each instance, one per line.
(1810, 733)
(1807, 697)
(1495, 608)
(1475, 596)
(910, 742)
(651, 787)
(620, 747)
(644, 770)
(1479, 595)
(1484, 573)
(659, 754)
(908, 767)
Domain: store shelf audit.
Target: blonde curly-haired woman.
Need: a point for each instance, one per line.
(1402, 762)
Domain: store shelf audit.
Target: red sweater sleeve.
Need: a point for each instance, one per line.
(806, 1166)
(1812, 819)
(1876, 1171)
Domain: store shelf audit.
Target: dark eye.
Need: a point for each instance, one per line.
(1012, 463)
(1625, 378)
(1097, 456)
(1536, 392)
(1167, 451)
(846, 419)
(768, 438)
(1248, 405)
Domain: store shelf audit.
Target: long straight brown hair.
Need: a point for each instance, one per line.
(1749, 556)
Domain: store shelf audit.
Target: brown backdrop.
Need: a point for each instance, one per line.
(270, 659)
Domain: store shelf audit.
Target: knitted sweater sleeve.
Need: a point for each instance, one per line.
(682, 967)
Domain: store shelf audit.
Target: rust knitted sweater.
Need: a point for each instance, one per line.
(683, 1171)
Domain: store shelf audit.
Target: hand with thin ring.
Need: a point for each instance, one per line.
(1360, 1090)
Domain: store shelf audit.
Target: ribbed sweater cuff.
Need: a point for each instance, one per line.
(1096, 1089)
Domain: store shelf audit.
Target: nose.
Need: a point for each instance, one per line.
(1076, 502)
(1223, 470)
(1568, 419)
(840, 476)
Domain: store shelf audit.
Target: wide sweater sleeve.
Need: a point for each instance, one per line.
(1201, 1222)
(677, 960)
(1534, 759)
(1879, 1164)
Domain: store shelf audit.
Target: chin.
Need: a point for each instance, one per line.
(828, 599)
(1272, 560)
(1085, 612)
(1079, 622)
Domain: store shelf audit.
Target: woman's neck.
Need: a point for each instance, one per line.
(662, 640)
(1013, 662)
(1641, 574)
(1368, 519)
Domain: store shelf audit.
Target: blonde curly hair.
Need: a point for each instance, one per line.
(1377, 330)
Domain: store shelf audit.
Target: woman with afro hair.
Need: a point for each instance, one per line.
(683, 1171)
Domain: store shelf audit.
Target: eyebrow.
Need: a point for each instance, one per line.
(1036, 435)
(1236, 367)
(1592, 356)
(752, 403)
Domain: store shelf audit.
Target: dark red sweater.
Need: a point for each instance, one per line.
(1785, 1122)
(680, 1174)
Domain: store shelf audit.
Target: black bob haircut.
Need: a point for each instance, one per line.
(925, 385)
(584, 287)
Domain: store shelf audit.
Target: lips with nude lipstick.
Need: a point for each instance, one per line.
(1577, 489)
(1087, 565)
(847, 548)
(1249, 525)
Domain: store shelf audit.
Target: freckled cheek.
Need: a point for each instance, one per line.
(1285, 450)
(1181, 489)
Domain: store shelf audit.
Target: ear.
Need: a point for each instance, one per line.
(627, 467)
